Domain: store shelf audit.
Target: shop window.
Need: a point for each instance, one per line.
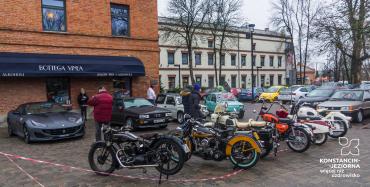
(58, 90)
(198, 59)
(122, 88)
(120, 20)
(171, 58)
(54, 15)
(210, 59)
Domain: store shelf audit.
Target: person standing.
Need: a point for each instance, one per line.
(102, 103)
(82, 102)
(186, 99)
(151, 94)
(195, 102)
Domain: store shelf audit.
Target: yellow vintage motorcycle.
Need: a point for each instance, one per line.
(242, 148)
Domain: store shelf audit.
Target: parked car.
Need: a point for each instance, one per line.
(235, 91)
(137, 113)
(173, 103)
(293, 93)
(353, 103)
(43, 121)
(317, 96)
(271, 94)
(246, 94)
(233, 105)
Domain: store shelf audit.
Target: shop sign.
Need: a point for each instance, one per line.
(61, 68)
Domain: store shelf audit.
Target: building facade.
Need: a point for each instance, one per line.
(49, 49)
(269, 54)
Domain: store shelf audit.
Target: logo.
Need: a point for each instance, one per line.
(349, 147)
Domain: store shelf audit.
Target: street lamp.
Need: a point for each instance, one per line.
(251, 30)
(257, 82)
(178, 65)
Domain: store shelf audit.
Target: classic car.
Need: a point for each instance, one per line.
(233, 105)
(173, 103)
(353, 103)
(271, 94)
(246, 94)
(293, 93)
(317, 96)
(137, 113)
(43, 121)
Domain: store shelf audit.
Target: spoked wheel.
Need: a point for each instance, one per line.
(101, 159)
(340, 128)
(320, 138)
(300, 142)
(243, 155)
(180, 117)
(170, 155)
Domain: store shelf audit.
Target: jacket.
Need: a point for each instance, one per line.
(82, 99)
(186, 100)
(195, 105)
(102, 104)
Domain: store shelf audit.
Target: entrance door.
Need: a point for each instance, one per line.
(58, 90)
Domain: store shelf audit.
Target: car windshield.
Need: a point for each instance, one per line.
(226, 97)
(290, 89)
(320, 93)
(41, 108)
(347, 95)
(131, 103)
(272, 90)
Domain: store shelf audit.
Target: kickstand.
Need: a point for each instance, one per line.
(160, 178)
(168, 168)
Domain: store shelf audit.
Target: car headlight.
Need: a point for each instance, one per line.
(37, 124)
(144, 116)
(79, 120)
(168, 114)
(346, 108)
(321, 108)
(75, 120)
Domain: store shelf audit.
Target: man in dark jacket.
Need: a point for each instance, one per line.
(186, 99)
(195, 102)
(82, 102)
(102, 103)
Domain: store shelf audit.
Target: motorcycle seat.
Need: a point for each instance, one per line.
(286, 121)
(251, 123)
(148, 135)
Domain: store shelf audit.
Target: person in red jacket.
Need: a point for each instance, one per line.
(102, 103)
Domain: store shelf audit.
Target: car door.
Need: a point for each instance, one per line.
(118, 111)
(171, 105)
(15, 119)
(366, 103)
(303, 92)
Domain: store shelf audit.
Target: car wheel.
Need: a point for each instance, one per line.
(359, 116)
(180, 117)
(10, 131)
(26, 135)
(130, 124)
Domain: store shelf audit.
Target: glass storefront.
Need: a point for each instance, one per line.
(122, 87)
(58, 90)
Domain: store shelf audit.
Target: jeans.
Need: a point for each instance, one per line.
(84, 112)
(98, 133)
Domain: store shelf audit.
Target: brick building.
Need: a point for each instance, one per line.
(49, 49)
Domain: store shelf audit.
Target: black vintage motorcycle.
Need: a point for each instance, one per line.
(242, 149)
(122, 149)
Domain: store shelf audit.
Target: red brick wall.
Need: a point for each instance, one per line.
(88, 33)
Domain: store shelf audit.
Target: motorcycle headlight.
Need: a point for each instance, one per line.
(168, 114)
(37, 124)
(144, 116)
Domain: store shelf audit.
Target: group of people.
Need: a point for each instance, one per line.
(103, 104)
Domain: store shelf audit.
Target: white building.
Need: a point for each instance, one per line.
(269, 53)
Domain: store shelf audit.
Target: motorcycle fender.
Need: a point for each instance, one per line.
(235, 139)
(307, 129)
(319, 129)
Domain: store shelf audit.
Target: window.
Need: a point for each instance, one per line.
(279, 79)
(58, 90)
(223, 59)
(244, 60)
(254, 46)
(303, 90)
(198, 59)
(122, 87)
(160, 99)
(262, 80)
(222, 80)
(185, 81)
(210, 43)
(271, 61)
(210, 58)
(254, 60)
(120, 20)
(185, 58)
(271, 80)
(171, 82)
(198, 80)
(211, 81)
(170, 101)
(233, 60)
(280, 58)
(171, 58)
(262, 61)
(54, 15)
(244, 81)
(233, 81)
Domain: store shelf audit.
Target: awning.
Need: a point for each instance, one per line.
(49, 65)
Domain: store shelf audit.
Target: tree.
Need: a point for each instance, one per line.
(187, 17)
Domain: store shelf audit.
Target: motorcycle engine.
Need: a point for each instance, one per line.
(209, 149)
(127, 155)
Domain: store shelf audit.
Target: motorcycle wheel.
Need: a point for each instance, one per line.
(102, 159)
(171, 156)
(303, 144)
(243, 155)
(342, 125)
(320, 138)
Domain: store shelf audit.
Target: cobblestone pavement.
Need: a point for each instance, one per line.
(287, 169)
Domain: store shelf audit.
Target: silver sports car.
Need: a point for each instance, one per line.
(44, 121)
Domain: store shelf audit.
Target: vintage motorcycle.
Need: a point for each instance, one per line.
(242, 148)
(122, 149)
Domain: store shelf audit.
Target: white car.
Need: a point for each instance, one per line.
(173, 103)
(293, 93)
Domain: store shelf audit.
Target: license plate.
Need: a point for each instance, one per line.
(159, 121)
(186, 148)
